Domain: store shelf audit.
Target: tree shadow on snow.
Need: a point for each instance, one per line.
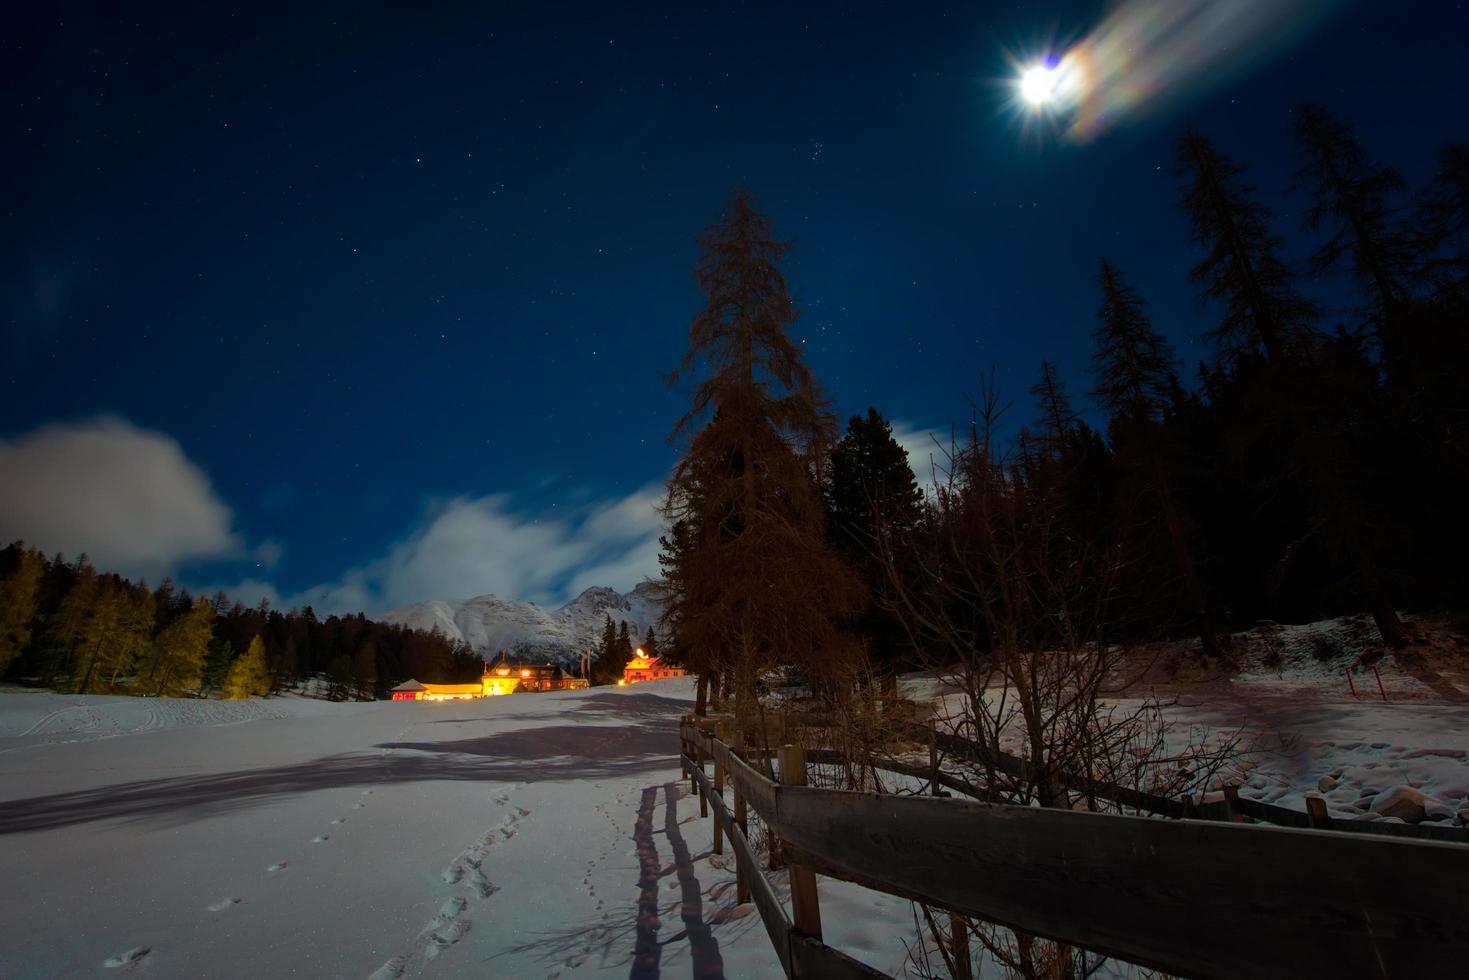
(557, 752)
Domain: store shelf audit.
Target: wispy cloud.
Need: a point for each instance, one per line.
(927, 450)
(469, 546)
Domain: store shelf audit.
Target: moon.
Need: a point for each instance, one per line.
(1038, 84)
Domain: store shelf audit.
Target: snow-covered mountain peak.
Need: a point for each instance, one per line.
(489, 624)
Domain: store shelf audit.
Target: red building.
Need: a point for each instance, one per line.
(645, 668)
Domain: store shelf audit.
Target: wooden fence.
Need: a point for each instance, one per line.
(1191, 897)
(1232, 808)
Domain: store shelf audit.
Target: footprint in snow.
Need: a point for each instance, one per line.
(225, 903)
(279, 866)
(130, 958)
(443, 938)
(339, 820)
(320, 839)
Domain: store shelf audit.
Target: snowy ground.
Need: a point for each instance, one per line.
(511, 837)
(492, 838)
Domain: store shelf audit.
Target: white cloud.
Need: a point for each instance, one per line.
(126, 496)
(472, 546)
(927, 449)
(132, 500)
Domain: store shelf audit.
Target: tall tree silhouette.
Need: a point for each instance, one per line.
(1353, 198)
(1136, 383)
(1443, 217)
(19, 592)
(1242, 269)
(1245, 275)
(755, 585)
(871, 494)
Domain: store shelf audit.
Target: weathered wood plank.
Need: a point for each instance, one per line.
(1199, 899)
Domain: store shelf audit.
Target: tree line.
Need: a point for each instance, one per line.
(66, 626)
(1311, 469)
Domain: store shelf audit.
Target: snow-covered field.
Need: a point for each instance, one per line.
(274, 838)
(512, 837)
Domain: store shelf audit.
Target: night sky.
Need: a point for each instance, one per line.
(375, 305)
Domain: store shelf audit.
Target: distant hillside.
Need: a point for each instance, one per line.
(489, 624)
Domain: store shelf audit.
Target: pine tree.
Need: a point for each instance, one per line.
(137, 620)
(873, 508)
(606, 670)
(217, 660)
(1443, 217)
(18, 603)
(248, 676)
(99, 646)
(1352, 197)
(650, 644)
(1058, 420)
(624, 647)
(339, 672)
(1136, 382)
(1243, 269)
(175, 662)
(1262, 311)
(364, 669)
(756, 584)
(64, 627)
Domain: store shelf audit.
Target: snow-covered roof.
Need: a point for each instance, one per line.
(410, 685)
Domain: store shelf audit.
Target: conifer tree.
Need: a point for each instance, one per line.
(873, 507)
(64, 627)
(18, 603)
(1243, 272)
(339, 673)
(1242, 269)
(175, 662)
(364, 669)
(757, 585)
(1133, 365)
(1058, 420)
(1443, 217)
(99, 645)
(248, 676)
(1352, 198)
(650, 644)
(624, 647)
(606, 670)
(136, 622)
(217, 660)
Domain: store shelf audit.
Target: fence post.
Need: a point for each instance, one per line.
(1316, 810)
(1351, 686)
(742, 882)
(1231, 800)
(804, 904)
(933, 758)
(701, 727)
(688, 736)
(719, 734)
(1379, 682)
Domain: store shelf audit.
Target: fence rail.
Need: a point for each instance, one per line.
(1195, 898)
(1232, 808)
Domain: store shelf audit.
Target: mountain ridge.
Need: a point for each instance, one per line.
(489, 624)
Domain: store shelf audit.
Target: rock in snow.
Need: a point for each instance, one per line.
(489, 624)
(1405, 803)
